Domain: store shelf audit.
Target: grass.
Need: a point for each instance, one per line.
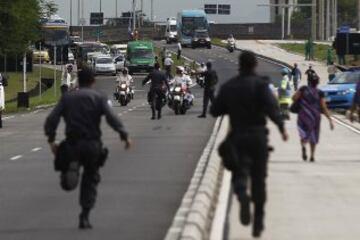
(218, 42)
(320, 52)
(16, 85)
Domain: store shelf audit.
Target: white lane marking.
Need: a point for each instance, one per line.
(16, 157)
(130, 110)
(36, 149)
(346, 125)
(7, 118)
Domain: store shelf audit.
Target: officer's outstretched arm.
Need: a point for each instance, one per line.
(53, 120)
(114, 121)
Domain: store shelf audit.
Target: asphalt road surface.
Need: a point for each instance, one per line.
(140, 190)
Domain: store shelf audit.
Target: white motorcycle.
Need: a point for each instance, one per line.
(180, 99)
(231, 46)
(124, 94)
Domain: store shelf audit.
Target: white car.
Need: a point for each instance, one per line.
(104, 65)
(118, 49)
(119, 62)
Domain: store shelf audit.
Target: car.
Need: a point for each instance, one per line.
(201, 38)
(119, 62)
(104, 65)
(340, 91)
(43, 55)
(118, 49)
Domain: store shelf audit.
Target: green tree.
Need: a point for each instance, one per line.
(19, 25)
(49, 7)
(348, 12)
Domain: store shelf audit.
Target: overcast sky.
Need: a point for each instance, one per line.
(108, 7)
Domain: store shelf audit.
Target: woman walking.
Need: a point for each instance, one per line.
(311, 104)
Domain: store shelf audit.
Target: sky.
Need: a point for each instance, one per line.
(108, 7)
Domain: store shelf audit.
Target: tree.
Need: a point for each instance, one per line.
(19, 25)
(49, 7)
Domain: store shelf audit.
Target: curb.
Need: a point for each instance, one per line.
(193, 219)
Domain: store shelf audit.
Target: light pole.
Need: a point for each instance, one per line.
(71, 13)
(116, 9)
(134, 15)
(78, 12)
(152, 10)
(100, 5)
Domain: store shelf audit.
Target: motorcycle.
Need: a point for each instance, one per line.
(200, 80)
(231, 45)
(124, 94)
(180, 100)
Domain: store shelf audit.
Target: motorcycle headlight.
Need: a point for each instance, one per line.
(123, 86)
(208, 39)
(177, 89)
(195, 39)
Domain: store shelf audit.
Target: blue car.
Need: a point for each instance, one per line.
(339, 92)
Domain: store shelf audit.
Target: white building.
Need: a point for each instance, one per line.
(219, 11)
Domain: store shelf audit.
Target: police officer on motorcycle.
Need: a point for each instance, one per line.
(248, 100)
(158, 81)
(82, 111)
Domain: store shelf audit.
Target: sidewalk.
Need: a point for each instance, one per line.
(268, 49)
(312, 201)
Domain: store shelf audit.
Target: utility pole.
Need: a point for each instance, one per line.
(328, 13)
(335, 16)
(78, 12)
(71, 13)
(134, 15)
(152, 10)
(282, 23)
(100, 5)
(314, 20)
(116, 9)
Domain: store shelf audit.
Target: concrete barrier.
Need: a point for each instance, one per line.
(193, 219)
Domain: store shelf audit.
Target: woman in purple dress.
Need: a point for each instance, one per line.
(312, 104)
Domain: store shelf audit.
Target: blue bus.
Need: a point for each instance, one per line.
(190, 21)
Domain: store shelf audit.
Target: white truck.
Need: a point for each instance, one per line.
(171, 30)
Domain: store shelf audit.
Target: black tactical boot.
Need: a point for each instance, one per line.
(245, 215)
(84, 219)
(258, 226)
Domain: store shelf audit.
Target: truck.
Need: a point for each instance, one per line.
(171, 30)
(140, 57)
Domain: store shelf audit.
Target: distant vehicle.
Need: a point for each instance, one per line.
(140, 56)
(71, 57)
(75, 39)
(104, 65)
(42, 55)
(82, 50)
(118, 49)
(119, 62)
(340, 92)
(201, 38)
(171, 30)
(190, 21)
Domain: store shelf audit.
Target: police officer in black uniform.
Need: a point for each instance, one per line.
(248, 100)
(210, 81)
(82, 111)
(158, 81)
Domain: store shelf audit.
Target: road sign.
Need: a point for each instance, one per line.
(82, 21)
(96, 18)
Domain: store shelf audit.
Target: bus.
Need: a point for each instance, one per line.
(190, 21)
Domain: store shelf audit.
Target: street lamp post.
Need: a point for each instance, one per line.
(134, 15)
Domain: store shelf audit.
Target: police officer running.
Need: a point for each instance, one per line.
(157, 83)
(210, 81)
(248, 100)
(82, 111)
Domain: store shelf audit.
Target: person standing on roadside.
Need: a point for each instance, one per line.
(356, 104)
(296, 76)
(168, 63)
(248, 100)
(82, 111)
(310, 72)
(179, 50)
(3, 83)
(210, 81)
(332, 70)
(312, 104)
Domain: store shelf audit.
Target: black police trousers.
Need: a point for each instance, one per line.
(87, 152)
(156, 98)
(251, 167)
(209, 95)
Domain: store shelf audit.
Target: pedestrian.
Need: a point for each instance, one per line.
(163, 54)
(311, 104)
(179, 50)
(82, 111)
(210, 81)
(296, 76)
(68, 80)
(248, 101)
(3, 84)
(168, 62)
(156, 95)
(310, 72)
(332, 70)
(356, 104)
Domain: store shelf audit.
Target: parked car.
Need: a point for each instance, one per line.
(43, 55)
(339, 92)
(119, 62)
(104, 65)
(201, 38)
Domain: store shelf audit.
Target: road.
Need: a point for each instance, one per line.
(140, 190)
